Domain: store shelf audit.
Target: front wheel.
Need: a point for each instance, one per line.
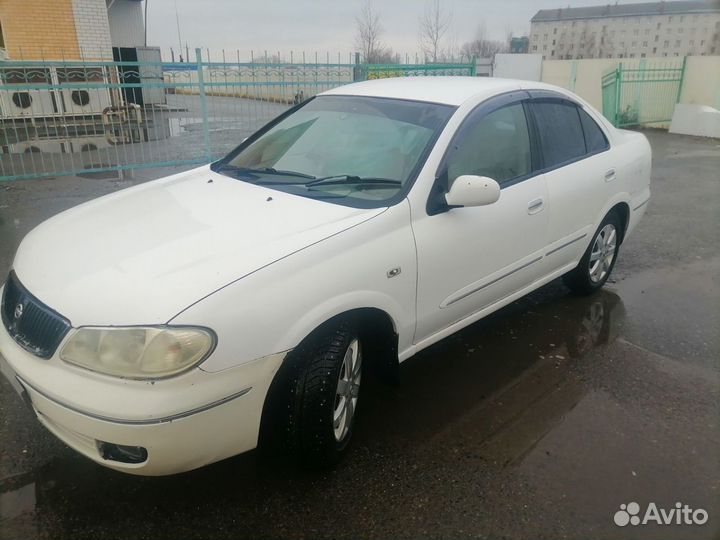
(326, 391)
(597, 263)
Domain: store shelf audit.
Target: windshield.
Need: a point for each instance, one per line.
(351, 150)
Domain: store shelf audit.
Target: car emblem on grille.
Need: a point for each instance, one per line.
(19, 310)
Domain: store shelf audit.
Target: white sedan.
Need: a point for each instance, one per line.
(189, 319)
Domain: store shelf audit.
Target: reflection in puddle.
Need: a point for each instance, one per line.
(489, 393)
(17, 501)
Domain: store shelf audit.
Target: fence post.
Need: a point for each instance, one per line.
(618, 88)
(203, 105)
(682, 80)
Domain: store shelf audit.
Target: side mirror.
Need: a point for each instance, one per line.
(471, 190)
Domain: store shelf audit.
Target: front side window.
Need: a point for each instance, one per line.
(351, 150)
(496, 146)
(560, 131)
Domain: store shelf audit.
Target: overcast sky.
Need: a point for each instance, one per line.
(326, 25)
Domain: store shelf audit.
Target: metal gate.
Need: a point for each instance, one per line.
(644, 95)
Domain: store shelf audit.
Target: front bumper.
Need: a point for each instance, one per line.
(183, 422)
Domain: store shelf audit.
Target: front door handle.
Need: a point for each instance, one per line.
(536, 205)
(610, 175)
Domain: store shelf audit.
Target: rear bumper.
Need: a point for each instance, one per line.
(194, 420)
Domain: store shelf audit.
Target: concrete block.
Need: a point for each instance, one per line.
(699, 120)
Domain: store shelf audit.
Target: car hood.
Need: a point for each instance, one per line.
(141, 255)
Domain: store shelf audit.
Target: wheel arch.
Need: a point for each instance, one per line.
(378, 334)
(622, 209)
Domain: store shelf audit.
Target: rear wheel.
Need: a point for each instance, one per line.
(597, 263)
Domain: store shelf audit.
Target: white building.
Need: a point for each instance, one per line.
(652, 29)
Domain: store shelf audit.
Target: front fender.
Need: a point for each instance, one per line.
(274, 308)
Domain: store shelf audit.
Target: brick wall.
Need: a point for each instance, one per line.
(39, 29)
(93, 29)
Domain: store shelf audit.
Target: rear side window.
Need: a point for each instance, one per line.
(561, 134)
(595, 140)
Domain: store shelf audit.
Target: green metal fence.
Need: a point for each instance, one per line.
(100, 117)
(643, 95)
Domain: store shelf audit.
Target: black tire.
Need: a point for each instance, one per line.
(318, 364)
(579, 280)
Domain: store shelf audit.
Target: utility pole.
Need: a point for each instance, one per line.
(177, 21)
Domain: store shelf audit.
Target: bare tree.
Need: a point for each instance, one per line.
(434, 23)
(368, 31)
(481, 46)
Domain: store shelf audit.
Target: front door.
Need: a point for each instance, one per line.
(470, 258)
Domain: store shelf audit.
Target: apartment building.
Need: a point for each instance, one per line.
(645, 30)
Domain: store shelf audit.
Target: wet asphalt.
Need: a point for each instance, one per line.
(536, 422)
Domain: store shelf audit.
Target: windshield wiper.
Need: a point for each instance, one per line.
(263, 170)
(345, 179)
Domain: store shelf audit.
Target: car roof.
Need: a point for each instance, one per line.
(447, 90)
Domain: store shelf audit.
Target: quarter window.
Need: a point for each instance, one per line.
(595, 140)
(496, 146)
(561, 134)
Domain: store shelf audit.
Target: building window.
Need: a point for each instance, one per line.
(677, 43)
(666, 44)
(702, 42)
(647, 31)
(555, 30)
(636, 32)
(692, 42)
(544, 36)
(534, 47)
(552, 53)
(632, 55)
(642, 55)
(680, 30)
(670, 18)
(682, 18)
(659, 25)
(645, 43)
(657, 37)
(553, 42)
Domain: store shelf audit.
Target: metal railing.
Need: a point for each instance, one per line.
(99, 117)
(644, 95)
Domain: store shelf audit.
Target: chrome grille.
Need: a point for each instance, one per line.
(34, 326)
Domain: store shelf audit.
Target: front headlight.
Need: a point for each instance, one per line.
(138, 352)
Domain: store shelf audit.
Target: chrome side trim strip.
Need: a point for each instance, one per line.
(481, 287)
(566, 244)
(149, 421)
(642, 204)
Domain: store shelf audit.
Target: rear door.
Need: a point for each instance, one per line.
(579, 172)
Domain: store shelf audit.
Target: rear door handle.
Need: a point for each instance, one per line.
(536, 205)
(610, 175)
